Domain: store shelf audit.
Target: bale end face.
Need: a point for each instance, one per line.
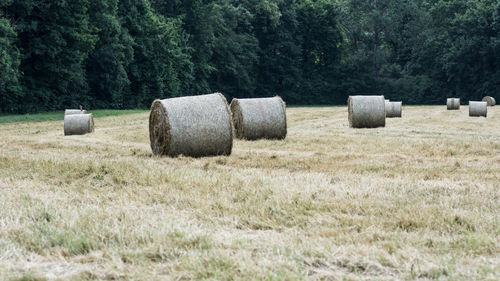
(237, 116)
(159, 129)
(490, 101)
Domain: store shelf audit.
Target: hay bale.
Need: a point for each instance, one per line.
(263, 118)
(78, 124)
(74, 111)
(193, 126)
(366, 111)
(393, 109)
(478, 108)
(490, 100)
(453, 104)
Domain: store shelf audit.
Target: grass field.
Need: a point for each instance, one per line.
(418, 199)
(59, 115)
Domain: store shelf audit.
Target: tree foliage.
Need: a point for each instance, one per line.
(125, 53)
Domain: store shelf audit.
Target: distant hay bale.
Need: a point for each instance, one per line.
(490, 100)
(393, 109)
(78, 124)
(478, 108)
(74, 111)
(366, 111)
(453, 104)
(193, 126)
(262, 118)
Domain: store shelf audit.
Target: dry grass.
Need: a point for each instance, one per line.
(418, 199)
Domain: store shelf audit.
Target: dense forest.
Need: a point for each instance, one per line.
(125, 53)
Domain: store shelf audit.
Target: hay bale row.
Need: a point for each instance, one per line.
(366, 111)
(453, 104)
(262, 118)
(490, 101)
(192, 126)
(78, 124)
(74, 111)
(478, 108)
(393, 109)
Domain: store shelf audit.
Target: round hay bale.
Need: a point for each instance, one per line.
(490, 100)
(366, 111)
(263, 118)
(78, 124)
(478, 108)
(453, 104)
(393, 109)
(193, 126)
(74, 111)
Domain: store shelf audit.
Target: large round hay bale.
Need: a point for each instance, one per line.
(452, 104)
(393, 109)
(263, 118)
(478, 108)
(78, 124)
(490, 100)
(74, 111)
(366, 111)
(193, 126)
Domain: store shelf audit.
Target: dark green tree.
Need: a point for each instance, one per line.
(10, 90)
(106, 65)
(161, 57)
(54, 38)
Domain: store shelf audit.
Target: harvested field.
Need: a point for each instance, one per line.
(417, 199)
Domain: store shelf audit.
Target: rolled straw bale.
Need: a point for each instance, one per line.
(78, 124)
(452, 104)
(393, 109)
(478, 108)
(74, 111)
(262, 118)
(193, 126)
(490, 100)
(366, 111)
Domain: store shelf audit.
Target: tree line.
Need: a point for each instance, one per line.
(125, 53)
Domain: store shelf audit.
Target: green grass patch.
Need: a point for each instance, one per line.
(59, 115)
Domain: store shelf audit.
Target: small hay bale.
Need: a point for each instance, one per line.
(393, 109)
(478, 108)
(366, 111)
(78, 124)
(74, 111)
(193, 126)
(490, 100)
(453, 104)
(263, 118)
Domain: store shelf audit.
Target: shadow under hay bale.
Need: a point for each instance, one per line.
(193, 126)
(366, 111)
(453, 104)
(490, 101)
(78, 124)
(478, 109)
(74, 111)
(393, 109)
(262, 118)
